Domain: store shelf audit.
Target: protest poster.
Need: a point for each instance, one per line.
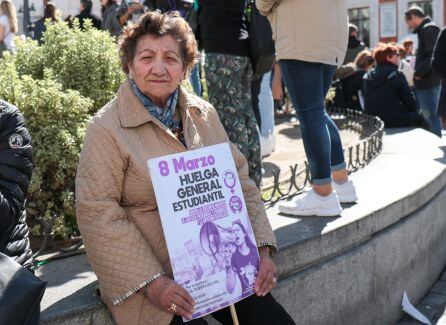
(205, 221)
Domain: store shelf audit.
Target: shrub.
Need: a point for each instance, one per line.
(56, 120)
(83, 60)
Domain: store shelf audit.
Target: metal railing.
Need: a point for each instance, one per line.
(369, 127)
(371, 130)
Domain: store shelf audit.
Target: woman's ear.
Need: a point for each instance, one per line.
(131, 73)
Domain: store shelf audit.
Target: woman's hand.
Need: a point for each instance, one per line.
(266, 278)
(168, 295)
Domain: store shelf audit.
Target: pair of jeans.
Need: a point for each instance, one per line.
(229, 79)
(428, 101)
(253, 310)
(266, 106)
(308, 84)
(194, 79)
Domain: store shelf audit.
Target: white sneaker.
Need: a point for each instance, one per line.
(311, 204)
(346, 192)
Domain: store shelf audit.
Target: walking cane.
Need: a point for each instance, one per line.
(234, 314)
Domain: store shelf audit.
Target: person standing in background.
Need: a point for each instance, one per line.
(426, 82)
(110, 17)
(439, 66)
(50, 12)
(310, 44)
(85, 13)
(224, 37)
(8, 25)
(355, 45)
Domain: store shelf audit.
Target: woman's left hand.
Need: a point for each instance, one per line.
(266, 278)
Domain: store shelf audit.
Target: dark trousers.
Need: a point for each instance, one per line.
(253, 310)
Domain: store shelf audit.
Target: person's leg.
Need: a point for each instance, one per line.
(255, 92)
(338, 165)
(229, 89)
(428, 101)
(253, 144)
(256, 310)
(305, 84)
(195, 79)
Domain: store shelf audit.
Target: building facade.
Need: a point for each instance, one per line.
(66, 7)
(383, 20)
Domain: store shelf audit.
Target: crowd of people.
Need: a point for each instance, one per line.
(160, 44)
(401, 86)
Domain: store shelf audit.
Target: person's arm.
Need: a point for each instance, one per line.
(266, 7)
(2, 32)
(106, 229)
(15, 166)
(406, 94)
(439, 57)
(423, 68)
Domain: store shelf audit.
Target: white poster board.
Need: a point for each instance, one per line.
(388, 19)
(209, 237)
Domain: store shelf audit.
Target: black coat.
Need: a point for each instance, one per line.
(427, 37)
(439, 66)
(96, 21)
(388, 95)
(15, 174)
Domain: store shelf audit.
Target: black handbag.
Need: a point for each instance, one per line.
(261, 43)
(20, 293)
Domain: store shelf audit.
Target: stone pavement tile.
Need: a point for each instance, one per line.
(439, 288)
(435, 300)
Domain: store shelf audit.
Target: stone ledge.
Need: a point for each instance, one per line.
(315, 253)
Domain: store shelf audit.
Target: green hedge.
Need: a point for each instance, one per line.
(85, 61)
(56, 120)
(58, 86)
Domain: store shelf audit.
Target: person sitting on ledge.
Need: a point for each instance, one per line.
(387, 93)
(117, 211)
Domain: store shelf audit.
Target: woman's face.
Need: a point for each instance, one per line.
(104, 3)
(394, 58)
(238, 234)
(157, 67)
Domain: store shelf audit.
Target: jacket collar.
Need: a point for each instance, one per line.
(132, 112)
(426, 21)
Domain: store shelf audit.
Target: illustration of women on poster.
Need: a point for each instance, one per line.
(244, 261)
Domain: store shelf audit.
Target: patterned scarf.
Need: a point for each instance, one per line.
(165, 115)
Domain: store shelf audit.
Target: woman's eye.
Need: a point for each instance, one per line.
(171, 59)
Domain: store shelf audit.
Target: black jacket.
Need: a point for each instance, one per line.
(427, 37)
(387, 95)
(439, 57)
(439, 65)
(224, 27)
(354, 47)
(15, 174)
(347, 90)
(97, 23)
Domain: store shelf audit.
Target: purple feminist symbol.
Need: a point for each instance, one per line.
(235, 204)
(229, 180)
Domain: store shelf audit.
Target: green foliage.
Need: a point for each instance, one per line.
(82, 60)
(56, 119)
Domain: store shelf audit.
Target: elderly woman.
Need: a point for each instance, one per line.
(387, 93)
(117, 213)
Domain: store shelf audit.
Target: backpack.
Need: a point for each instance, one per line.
(261, 43)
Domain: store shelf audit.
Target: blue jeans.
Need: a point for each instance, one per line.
(307, 85)
(428, 101)
(194, 79)
(266, 106)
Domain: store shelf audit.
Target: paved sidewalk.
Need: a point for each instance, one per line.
(433, 305)
(290, 150)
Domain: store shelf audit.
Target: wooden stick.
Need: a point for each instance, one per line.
(234, 314)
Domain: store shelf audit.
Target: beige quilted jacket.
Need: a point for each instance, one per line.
(308, 30)
(115, 201)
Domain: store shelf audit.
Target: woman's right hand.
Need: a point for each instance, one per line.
(168, 295)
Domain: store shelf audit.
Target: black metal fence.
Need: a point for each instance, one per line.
(369, 127)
